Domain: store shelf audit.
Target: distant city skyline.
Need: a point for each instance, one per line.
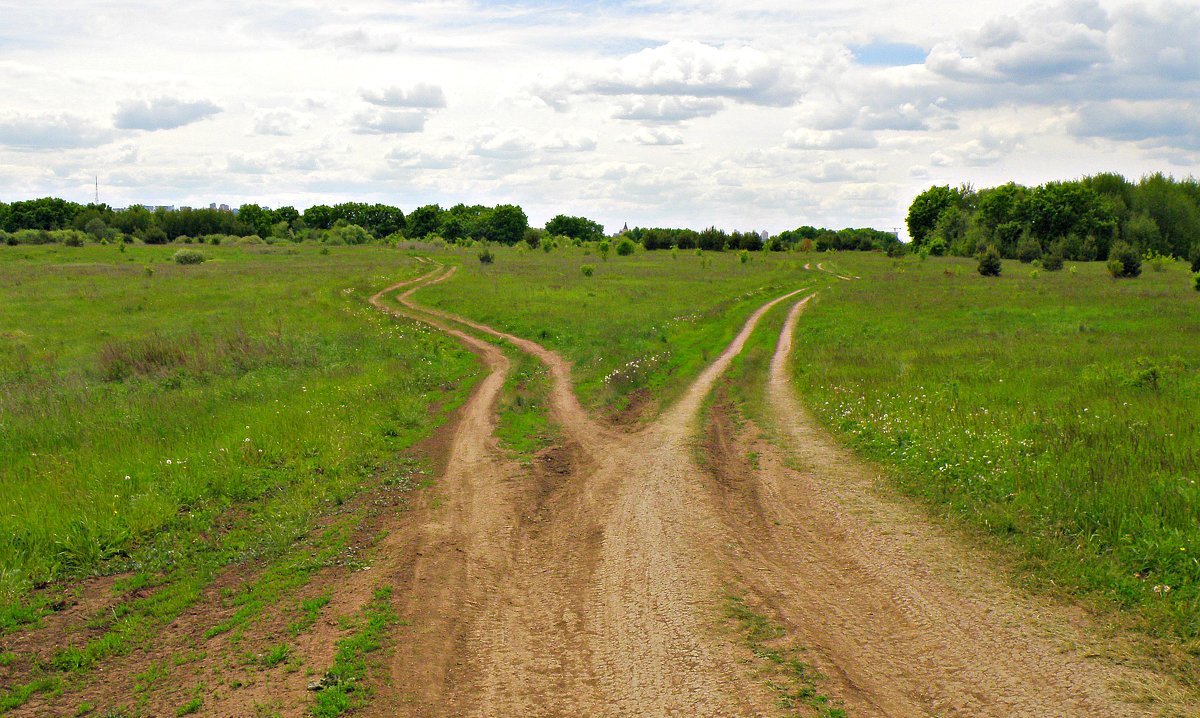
(671, 113)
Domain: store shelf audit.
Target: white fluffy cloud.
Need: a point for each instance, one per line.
(751, 114)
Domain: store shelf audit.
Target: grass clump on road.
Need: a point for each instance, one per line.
(1057, 415)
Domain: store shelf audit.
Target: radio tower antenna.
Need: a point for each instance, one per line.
(97, 189)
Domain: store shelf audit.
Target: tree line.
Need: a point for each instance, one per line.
(1078, 220)
(51, 219)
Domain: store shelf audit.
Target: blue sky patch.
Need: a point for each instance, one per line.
(888, 54)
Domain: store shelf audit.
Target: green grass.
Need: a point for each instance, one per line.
(793, 681)
(1057, 414)
(524, 427)
(642, 325)
(169, 425)
(343, 687)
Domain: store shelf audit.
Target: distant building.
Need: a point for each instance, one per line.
(212, 205)
(225, 208)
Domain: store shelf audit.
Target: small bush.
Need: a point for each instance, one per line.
(989, 262)
(588, 270)
(625, 247)
(743, 256)
(1116, 268)
(1158, 262)
(1195, 258)
(1131, 263)
(1196, 281)
(486, 256)
(72, 238)
(603, 248)
(1028, 249)
(1052, 262)
(189, 256)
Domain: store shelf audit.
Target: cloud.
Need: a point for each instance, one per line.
(978, 152)
(668, 109)
(419, 96)
(1150, 124)
(408, 158)
(657, 136)
(51, 132)
(388, 122)
(279, 123)
(806, 139)
(838, 171)
(568, 142)
(502, 145)
(164, 113)
(276, 161)
(686, 70)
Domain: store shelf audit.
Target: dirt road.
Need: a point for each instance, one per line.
(590, 585)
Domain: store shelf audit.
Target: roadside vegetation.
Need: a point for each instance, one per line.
(1056, 413)
(162, 421)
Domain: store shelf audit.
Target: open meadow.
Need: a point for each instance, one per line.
(228, 485)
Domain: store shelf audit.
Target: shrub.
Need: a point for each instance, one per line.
(486, 256)
(743, 256)
(72, 238)
(1195, 258)
(1158, 262)
(587, 270)
(1116, 268)
(604, 248)
(935, 246)
(189, 256)
(1131, 263)
(625, 247)
(989, 262)
(1196, 281)
(1052, 262)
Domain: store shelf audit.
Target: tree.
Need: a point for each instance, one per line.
(1127, 256)
(1029, 248)
(506, 223)
(580, 228)
(424, 221)
(1142, 232)
(927, 208)
(989, 262)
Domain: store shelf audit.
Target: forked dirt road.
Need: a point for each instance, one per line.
(591, 584)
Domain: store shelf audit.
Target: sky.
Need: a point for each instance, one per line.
(750, 114)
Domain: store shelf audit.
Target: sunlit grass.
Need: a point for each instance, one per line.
(1056, 412)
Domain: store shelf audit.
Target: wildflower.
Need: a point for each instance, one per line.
(168, 462)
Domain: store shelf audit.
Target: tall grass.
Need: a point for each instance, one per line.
(131, 401)
(1056, 412)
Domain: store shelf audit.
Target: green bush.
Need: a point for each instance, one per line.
(1195, 258)
(189, 256)
(1052, 262)
(603, 248)
(1131, 263)
(1116, 268)
(486, 256)
(989, 262)
(625, 247)
(587, 270)
(1158, 262)
(1196, 281)
(743, 256)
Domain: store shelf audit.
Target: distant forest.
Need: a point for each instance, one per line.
(1079, 220)
(53, 220)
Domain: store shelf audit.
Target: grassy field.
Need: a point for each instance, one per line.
(163, 421)
(1056, 412)
(636, 329)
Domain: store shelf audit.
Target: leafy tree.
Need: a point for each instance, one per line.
(1029, 248)
(506, 223)
(580, 228)
(712, 239)
(424, 221)
(927, 208)
(625, 247)
(1142, 232)
(259, 220)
